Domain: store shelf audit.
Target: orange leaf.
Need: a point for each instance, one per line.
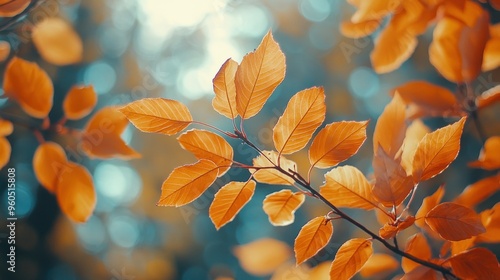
(491, 56)
(359, 29)
(346, 186)
(6, 127)
(479, 191)
(57, 42)
(477, 263)
(224, 101)
(457, 48)
(281, 206)
(350, 258)
(454, 222)
(437, 150)
(374, 9)
(391, 127)
(416, 246)
(313, 237)
(158, 115)
(263, 256)
(420, 272)
(5, 151)
(391, 229)
(392, 47)
(186, 183)
(489, 158)
(458, 247)
(491, 221)
(79, 102)
(303, 115)
(101, 136)
(337, 142)
(75, 192)
(414, 134)
(379, 265)
(229, 200)
(4, 50)
(10, 8)
(270, 175)
(208, 145)
(30, 86)
(488, 98)
(427, 204)
(48, 161)
(259, 73)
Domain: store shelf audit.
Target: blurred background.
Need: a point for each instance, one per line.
(173, 49)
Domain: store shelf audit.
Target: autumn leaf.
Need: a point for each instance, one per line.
(477, 263)
(458, 247)
(376, 9)
(101, 136)
(454, 222)
(79, 102)
(491, 221)
(420, 272)
(359, 29)
(488, 98)
(392, 47)
(48, 161)
(186, 183)
(281, 206)
(304, 113)
(258, 75)
(265, 174)
(350, 258)
(414, 134)
(437, 150)
(6, 127)
(391, 229)
(30, 86)
(416, 246)
(491, 56)
(57, 41)
(224, 101)
(229, 200)
(208, 145)
(4, 50)
(489, 158)
(391, 127)
(427, 204)
(479, 191)
(346, 186)
(75, 192)
(10, 8)
(379, 265)
(337, 142)
(5, 151)
(263, 256)
(313, 237)
(158, 115)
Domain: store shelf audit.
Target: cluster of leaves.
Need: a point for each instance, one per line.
(406, 153)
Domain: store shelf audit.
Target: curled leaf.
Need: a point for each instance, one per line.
(79, 102)
(281, 206)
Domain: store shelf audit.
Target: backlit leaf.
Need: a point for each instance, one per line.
(75, 192)
(416, 246)
(57, 41)
(5, 151)
(427, 204)
(491, 221)
(379, 265)
(158, 115)
(304, 113)
(454, 222)
(392, 47)
(281, 206)
(259, 73)
(375, 9)
(208, 145)
(488, 98)
(391, 229)
(30, 86)
(346, 186)
(337, 142)
(186, 183)
(6, 127)
(360, 29)
(479, 191)
(101, 136)
(437, 150)
(10, 8)
(224, 101)
(48, 161)
(489, 158)
(414, 134)
(263, 256)
(477, 263)
(79, 102)
(271, 175)
(229, 200)
(313, 237)
(391, 127)
(350, 258)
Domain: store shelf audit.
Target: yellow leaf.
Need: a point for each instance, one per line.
(79, 102)
(101, 136)
(186, 183)
(346, 186)
(479, 191)
(416, 246)
(5, 151)
(437, 150)
(75, 192)
(281, 206)
(337, 142)
(379, 265)
(489, 158)
(454, 222)
(313, 237)
(303, 115)
(427, 204)
(350, 258)
(48, 161)
(57, 41)
(360, 29)
(6, 127)
(391, 127)
(414, 134)
(208, 145)
(10, 8)
(224, 101)
(158, 115)
(271, 175)
(30, 86)
(259, 73)
(229, 200)
(477, 263)
(263, 256)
